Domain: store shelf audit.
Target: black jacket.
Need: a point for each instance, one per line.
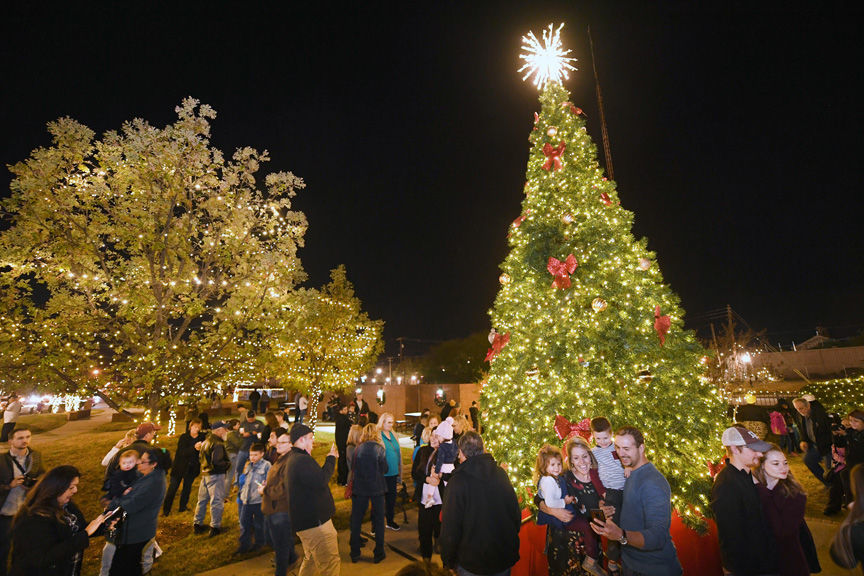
(747, 547)
(343, 426)
(7, 471)
(45, 546)
(368, 468)
(854, 447)
(186, 459)
(821, 428)
(310, 502)
(213, 457)
(481, 518)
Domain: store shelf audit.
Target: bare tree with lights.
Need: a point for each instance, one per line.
(584, 324)
(145, 264)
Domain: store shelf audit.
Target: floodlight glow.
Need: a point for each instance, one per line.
(546, 61)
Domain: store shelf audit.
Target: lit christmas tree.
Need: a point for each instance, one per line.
(585, 326)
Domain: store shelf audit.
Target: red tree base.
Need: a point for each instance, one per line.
(699, 555)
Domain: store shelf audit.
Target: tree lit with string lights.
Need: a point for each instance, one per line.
(584, 325)
(148, 266)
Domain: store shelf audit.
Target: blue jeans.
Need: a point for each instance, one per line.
(251, 521)
(462, 572)
(359, 504)
(814, 461)
(282, 539)
(211, 489)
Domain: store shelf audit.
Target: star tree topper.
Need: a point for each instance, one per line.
(547, 62)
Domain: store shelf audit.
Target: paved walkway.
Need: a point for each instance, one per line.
(402, 549)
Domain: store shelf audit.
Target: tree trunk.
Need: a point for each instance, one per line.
(112, 403)
(312, 411)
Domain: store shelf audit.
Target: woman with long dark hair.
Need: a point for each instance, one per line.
(49, 534)
(141, 503)
(783, 502)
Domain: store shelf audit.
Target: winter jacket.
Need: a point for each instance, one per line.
(233, 443)
(821, 428)
(480, 519)
(44, 546)
(746, 543)
(142, 504)
(275, 497)
(186, 459)
(310, 502)
(213, 457)
(368, 469)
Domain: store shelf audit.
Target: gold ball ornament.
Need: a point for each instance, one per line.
(644, 263)
(598, 304)
(552, 131)
(750, 398)
(567, 218)
(645, 376)
(504, 279)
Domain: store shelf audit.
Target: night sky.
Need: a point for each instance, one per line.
(736, 135)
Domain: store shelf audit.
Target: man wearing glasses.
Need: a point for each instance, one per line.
(274, 505)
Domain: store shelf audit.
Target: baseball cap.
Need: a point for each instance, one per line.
(218, 424)
(740, 436)
(146, 428)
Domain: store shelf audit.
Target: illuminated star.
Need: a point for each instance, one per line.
(547, 62)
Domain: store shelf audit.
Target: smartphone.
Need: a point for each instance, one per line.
(108, 515)
(597, 515)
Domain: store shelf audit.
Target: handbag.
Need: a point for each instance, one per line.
(841, 546)
(349, 488)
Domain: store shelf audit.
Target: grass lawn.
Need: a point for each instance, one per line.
(39, 423)
(184, 553)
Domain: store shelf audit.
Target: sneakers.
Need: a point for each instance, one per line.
(393, 526)
(198, 529)
(379, 559)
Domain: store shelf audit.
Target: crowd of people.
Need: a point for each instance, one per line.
(606, 508)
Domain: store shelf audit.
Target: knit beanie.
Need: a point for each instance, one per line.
(445, 429)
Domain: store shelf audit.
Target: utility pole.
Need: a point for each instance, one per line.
(607, 148)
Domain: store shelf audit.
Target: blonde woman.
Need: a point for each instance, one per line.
(353, 441)
(461, 424)
(368, 487)
(393, 476)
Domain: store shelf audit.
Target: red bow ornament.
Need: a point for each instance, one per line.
(605, 198)
(573, 109)
(562, 270)
(714, 469)
(661, 325)
(553, 155)
(498, 342)
(565, 429)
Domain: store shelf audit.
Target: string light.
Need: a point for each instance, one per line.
(168, 273)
